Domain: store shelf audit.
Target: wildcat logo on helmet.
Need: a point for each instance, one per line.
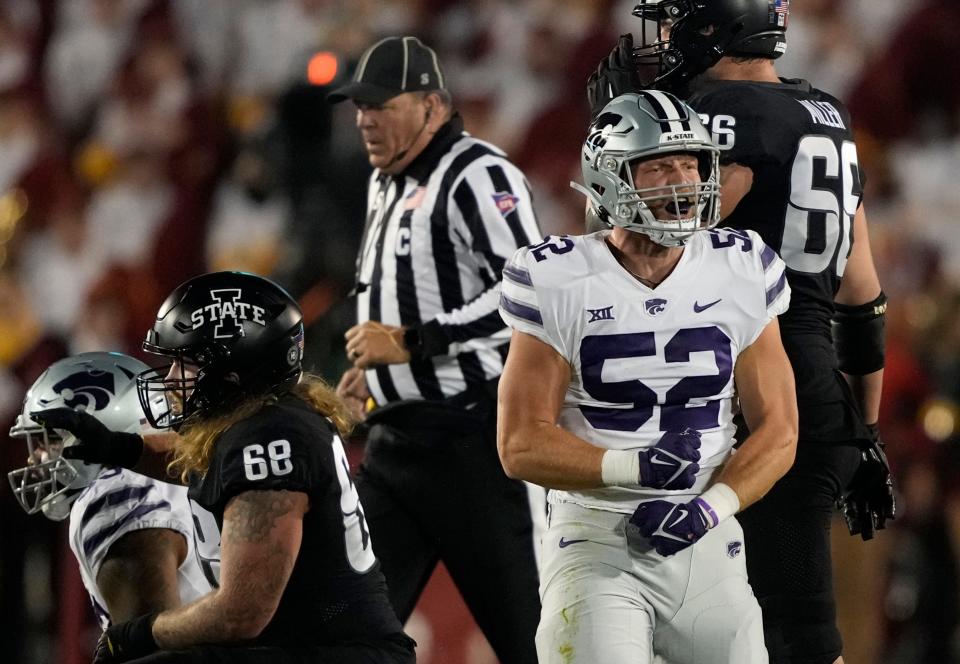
(227, 311)
(91, 389)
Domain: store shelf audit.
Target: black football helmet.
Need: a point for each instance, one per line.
(242, 333)
(683, 38)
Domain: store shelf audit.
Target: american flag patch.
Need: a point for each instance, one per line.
(505, 202)
(415, 198)
(781, 10)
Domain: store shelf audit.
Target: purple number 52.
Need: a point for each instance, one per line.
(675, 414)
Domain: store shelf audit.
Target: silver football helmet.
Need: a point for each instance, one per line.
(102, 384)
(647, 125)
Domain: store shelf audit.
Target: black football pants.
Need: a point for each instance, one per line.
(787, 537)
(433, 489)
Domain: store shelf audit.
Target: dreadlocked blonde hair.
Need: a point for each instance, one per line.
(198, 438)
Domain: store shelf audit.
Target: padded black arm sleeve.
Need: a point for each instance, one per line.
(859, 336)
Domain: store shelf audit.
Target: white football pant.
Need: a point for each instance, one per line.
(609, 598)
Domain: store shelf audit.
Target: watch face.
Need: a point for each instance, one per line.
(411, 338)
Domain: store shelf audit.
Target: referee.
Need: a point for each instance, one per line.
(445, 212)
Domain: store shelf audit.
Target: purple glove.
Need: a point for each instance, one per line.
(671, 463)
(672, 527)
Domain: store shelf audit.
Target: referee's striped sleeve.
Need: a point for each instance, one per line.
(492, 209)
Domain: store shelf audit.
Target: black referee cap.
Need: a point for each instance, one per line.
(391, 67)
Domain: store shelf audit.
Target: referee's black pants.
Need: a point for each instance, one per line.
(432, 489)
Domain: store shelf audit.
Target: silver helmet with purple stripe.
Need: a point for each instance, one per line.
(102, 384)
(642, 126)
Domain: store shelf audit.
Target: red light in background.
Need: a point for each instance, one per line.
(322, 68)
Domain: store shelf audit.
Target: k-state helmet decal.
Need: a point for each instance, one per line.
(90, 389)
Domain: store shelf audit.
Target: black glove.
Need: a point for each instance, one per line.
(869, 500)
(127, 640)
(95, 442)
(616, 75)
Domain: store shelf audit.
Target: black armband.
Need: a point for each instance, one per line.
(859, 337)
(427, 340)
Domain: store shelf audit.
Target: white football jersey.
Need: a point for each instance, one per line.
(645, 361)
(121, 501)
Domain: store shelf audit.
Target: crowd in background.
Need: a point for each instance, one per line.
(145, 141)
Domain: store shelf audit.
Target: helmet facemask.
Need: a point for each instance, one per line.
(691, 207)
(98, 383)
(217, 383)
(49, 482)
(168, 399)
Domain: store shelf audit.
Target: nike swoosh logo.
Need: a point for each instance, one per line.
(564, 543)
(681, 515)
(697, 308)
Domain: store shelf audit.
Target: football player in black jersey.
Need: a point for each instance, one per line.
(789, 172)
(259, 443)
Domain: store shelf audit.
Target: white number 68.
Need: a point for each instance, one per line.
(255, 465)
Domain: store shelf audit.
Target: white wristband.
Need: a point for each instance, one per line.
(620, 468)
(720, 502)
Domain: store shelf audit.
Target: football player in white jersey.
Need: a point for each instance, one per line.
(632, 348)
(139, 545)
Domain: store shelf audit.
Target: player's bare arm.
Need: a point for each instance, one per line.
(139, 573)
(862, 285)
(532, 447)
(768, 400)
(735, 183)
(262, 531)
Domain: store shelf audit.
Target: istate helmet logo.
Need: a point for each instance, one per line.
(228, 312)
(90, 390)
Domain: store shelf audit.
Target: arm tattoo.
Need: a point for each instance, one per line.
(257, 563)
(253, 514)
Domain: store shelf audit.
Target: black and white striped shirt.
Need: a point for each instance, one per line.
(436, 240)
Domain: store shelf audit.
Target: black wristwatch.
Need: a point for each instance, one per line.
(426, 340)
(413, 341)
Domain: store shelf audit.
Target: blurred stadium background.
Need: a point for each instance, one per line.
(145, 141)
